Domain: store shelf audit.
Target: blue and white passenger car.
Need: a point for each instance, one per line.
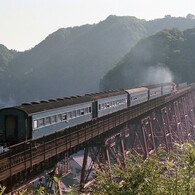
(36, 119)
(155, 91)
(109, 102)
(167, 88)
(137, 96)
(30, 121)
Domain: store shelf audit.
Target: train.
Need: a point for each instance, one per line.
(37, 119)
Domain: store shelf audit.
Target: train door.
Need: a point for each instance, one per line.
(94, 109)
(11, 129)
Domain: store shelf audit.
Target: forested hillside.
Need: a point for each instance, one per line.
(73, 60)
(166, 56)
(6, 56)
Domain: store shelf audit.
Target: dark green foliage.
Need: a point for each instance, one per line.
(73, 60)
(160, 173)
(164, 57)
(5, 56)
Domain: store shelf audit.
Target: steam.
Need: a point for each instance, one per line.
(10, 102)
(158, 74)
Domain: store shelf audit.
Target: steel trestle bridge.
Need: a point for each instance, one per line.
(142, 128)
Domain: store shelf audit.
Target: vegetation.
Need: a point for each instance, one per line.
(159, 174)
(81, 55)
(2, 189)
(166, 56)
(5, 56)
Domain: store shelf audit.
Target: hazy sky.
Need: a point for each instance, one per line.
(25, 23)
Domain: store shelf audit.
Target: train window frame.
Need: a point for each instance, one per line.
(47, 120)
(78, 113)
(40, 122)
(64, 116)
(59, 118)
(89, 109)
(70, 114)
(53, 119)
(82, 112)
(35, 124)
(86, 110)
(74, 114)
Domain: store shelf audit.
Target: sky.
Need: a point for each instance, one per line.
(25, 23)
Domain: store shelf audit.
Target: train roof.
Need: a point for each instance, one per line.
(157, 85)
(153, 86)
(136, 90)
(35, 107)
(106, 94)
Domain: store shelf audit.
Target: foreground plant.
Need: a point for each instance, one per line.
(160, 173)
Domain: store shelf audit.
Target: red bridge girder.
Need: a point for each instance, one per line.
(171, 123)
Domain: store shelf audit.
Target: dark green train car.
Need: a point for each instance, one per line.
(14, 126)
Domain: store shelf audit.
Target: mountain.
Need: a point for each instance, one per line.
(6, 56)
(169, 55)
(72, 61)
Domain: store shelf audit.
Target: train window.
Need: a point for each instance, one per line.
(99, 107)
(78, 112)
(40, 122)
(59, 118)
(74, 114)
(86, 110)
(53, 119)
(70, 115)
(35, 124)
(89, 109)
(82, 111)
(47, 121)
(64, 116)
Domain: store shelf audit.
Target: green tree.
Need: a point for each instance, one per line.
(2, 189)
(160, 173)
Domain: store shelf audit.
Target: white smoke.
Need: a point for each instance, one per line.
(158, 74)
(10, 102)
